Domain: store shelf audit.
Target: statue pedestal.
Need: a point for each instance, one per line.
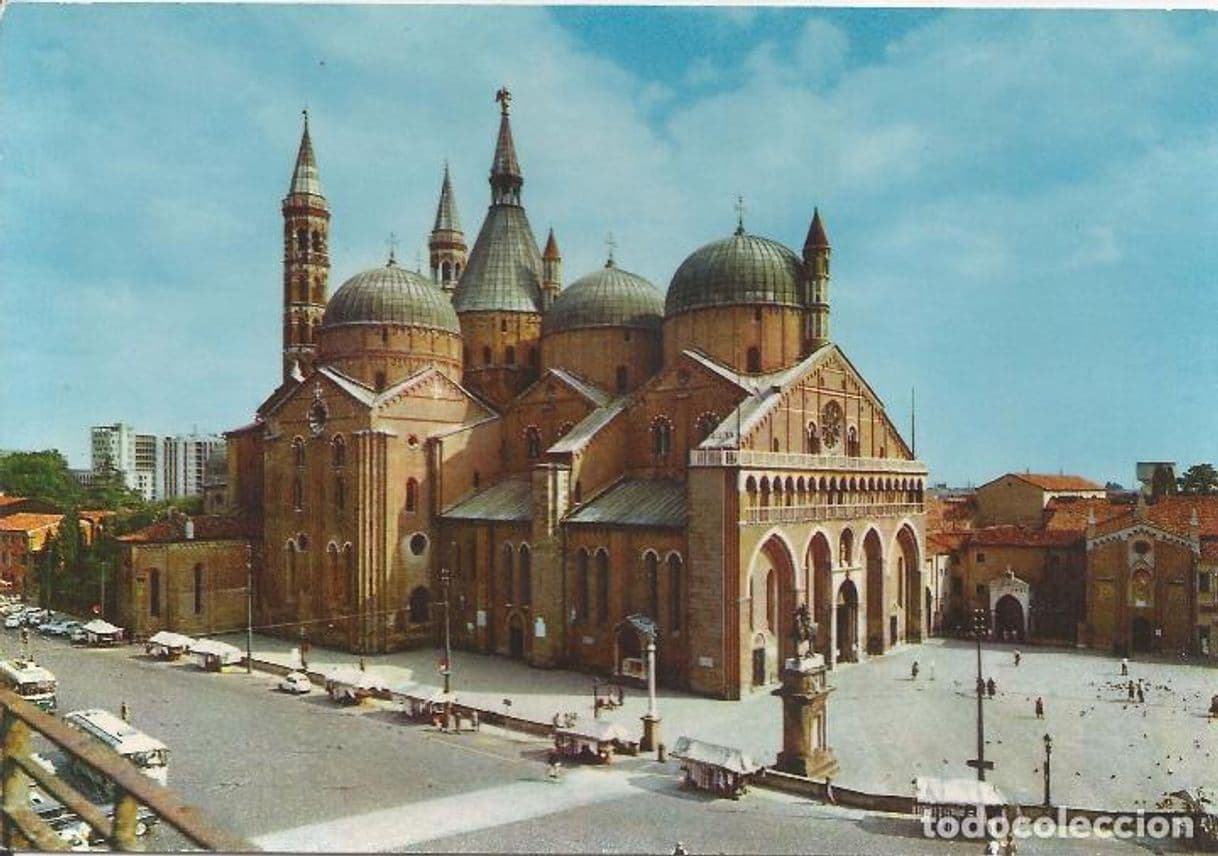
(651, 733)
(805, 693)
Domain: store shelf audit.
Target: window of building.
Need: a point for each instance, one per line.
(297, 495)
(503, 326)
(582, 589)
(981, 558)
(198, 589)
(845, 549)
(339, 451)
(661, 437)
(317, 244)
(532, 440)
(957, 586)
(1203, 582)
(420, 605)
(675, 570)
(775, 445)
(418, 543)
(651, 578)
(526, 575)
(509, 574)
(509, 356)
(602, 586)
(579, 492)
(771, 600)
(757, 314)
(852, 442)
(754, 361)
(302, 240)
(981, 591)
(154, 592)
(477, 479)
(812, 440)
(298, 452)
(412, 496)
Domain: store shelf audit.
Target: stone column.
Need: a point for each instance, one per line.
(805, 751)
(651, 719)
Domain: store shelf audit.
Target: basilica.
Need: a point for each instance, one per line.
(569, 471)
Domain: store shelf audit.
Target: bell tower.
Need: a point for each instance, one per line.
(306, 260)
(446, 246)
(816, 276)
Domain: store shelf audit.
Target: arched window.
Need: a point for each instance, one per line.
(298, 452)
(532, 440)
(771, 600)
(509, 356)
(339, 450)
(317, 244)
(750, 487)
(674, 591)
(154, 592)
(349, 586)
(302, 240)
(852, 441)
(583, 590)
(812, 440)
(445, 270)
(340, 493)
(526, 575)
(420, 605)
(503, 326)
(901, 580)
(477, 479)
(845, 549)
(622, 379)
(661, 437)
(651, 576)
(486, 356)
(412, 496)
(602, 586)
(754, 361)
(509, 575)
(297, 495)
(198, 589)
(775, 445)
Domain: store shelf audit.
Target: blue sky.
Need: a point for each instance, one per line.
(1022, 205)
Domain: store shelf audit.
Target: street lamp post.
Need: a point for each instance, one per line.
(445, 579)
(1048, 752)
(651, 720)
(979, 626)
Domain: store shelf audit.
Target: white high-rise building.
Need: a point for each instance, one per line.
(185, 463)
(136, 456)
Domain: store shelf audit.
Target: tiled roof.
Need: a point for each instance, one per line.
(390, 294)
(636, 502)
(503, 272)
(587, 428)
(951, 514)
(94, 515)
(207, 528)
(305, 177)
(1058, 482)
(510, 500)
(1071, 513)
(590, 391)
(1020, 536)
(27, 521)
(11, 500)
(1209, 549)
(1172, 513)
(446, 210)
(945, 542)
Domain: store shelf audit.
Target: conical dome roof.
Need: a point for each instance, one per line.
(391, 295)
(741, 269)
(610, 297)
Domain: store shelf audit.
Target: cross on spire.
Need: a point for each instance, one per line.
(392, 243)
(504, 97)
(611, 245)
(740, 209)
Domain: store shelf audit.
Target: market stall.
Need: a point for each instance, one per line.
(167, 645)
(595, 742)
(721, 770)
(212, 655)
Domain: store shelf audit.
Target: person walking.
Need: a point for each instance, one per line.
(1131, 693)
(1124, 667)
(1018, 657)
(552, 767)
(991, 688)
(1141, 696)
(1040, 708)
(913, 671)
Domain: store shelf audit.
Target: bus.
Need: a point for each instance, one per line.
(30, 681)
(148, 754)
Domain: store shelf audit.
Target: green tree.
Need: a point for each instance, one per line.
(109, 490)
(1199, 480)
(40, 475)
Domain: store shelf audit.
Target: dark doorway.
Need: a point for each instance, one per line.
(847, 622)
(1008, 618)
(892, 629)
(758, 666)
(516, 637)
(1143, 635)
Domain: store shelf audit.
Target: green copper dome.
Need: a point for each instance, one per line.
(610, 297)
(742, 269)
(391, 295)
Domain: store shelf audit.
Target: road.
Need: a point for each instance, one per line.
(303, 774)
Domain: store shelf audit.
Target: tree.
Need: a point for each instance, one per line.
(1199, 480)
(39, 475)
(109, 490)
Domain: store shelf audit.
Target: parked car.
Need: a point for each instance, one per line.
(13, 621)
(67, 627)
(58, 627)
(296, 683)
(77, 635)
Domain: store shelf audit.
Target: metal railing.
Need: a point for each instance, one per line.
(800, 460)
(25, 829)
(802, 513)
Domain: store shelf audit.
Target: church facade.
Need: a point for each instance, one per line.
(571, 471)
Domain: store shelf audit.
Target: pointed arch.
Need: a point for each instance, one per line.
(602, 585)
(526, 575)
(873, 557)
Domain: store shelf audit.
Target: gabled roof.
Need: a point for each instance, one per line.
(584, 430)
(1170, 513)
(28, 521)
(1020, 536)
(510, 500)
(656, 503)
(1050, 482)
(1071, 513)
(590, 391)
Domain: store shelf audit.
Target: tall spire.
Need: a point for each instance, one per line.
(816, 280)
(551, 250)
(817, 239)
(305, 178)
(446, 211)
(506, 177)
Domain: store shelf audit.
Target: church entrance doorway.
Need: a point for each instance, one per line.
(1143, 635)
(516, 637)
(1008, 618)
(847, 622)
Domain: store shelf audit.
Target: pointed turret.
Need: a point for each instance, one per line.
(446, 246)
(551, 271)
(506, 177)
(816, 282)
(305, 178)
(306, 260)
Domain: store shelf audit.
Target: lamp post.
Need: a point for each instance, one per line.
(1048, 753)
(979, 625)
(651, 720)
(249, 609)
(445, 579)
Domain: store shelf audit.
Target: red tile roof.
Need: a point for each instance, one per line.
(1070, 513)
(207, 528)
(26, 521)
(950, 514)
(10, 500)
(939, 543)
(1046, 481)
(1173, 513)
(1209, 549)
(1020, 536)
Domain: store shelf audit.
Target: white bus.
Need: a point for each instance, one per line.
(147, 753)
(30, 681)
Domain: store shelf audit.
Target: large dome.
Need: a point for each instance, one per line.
(742, 269)
(391, 295)
(610, 297)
